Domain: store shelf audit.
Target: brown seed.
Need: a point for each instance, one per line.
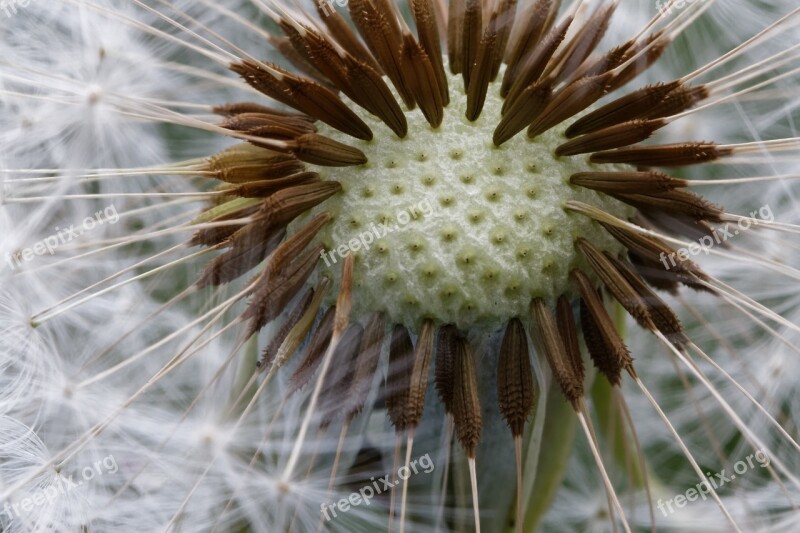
(304, 95)
(482, 71)
(345, 36)
(248, 247)
(294, 245)
(271, 294)
(317, 346)
(629, 107)
(238, 108)
(283, 206)
(370, 91)
(505, 12)
(627, 182)
(516, 391)
(569, 101)
(549, 341)
(299, 61)
(320, 150)
(245, 162)
(617, 136)
(616, 284)
(428, 34)
(658, 258)
(600, 351)
(530, 71)
(668, 155)
(378, 28)
(611, 350)
(418, 385)
(318, 51)
(569, 336)
(675, 203)
(455, 24)
(585, 41)
(340, 375)
(421, 80)
(642, 62)
(466, 401)
(608, 61)
(471, 30)
(525, 109)
(366, 365)
(218, 235)
(344, 300)
(536, 17)
(398, 377)
(263, 188)
(446, 346)
(663, 317)
(678, 101)
(294, 316)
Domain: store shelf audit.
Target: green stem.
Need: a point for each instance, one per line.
(560, 426)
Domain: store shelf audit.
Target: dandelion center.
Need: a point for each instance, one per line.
(444, 224)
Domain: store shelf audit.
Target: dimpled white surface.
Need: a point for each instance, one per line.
(474, 230)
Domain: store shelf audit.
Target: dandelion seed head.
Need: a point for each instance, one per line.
(465, 232)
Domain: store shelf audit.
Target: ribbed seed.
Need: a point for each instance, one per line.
(446, 346)
(421, 80)
(398, 377)
(248, 247)
(613, 348)
(627, 182)
(536, 17)
(530, 71)
(320, 150)
(471, 30)
(314, 352)
(428, 33)
(263, 188)
(616, 284)
(366, 365)
(418, 385)
(549, 340)
(674, 203)
(455, 23)
(466, 401)
(569, 336)
(482, 71)
(271, 294)
(571, 100)
(668, 155)
(340, 375)
(294, 316)
(516, 390)
(629, 107)
(617, 136)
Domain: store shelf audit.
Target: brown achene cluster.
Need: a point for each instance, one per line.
(550, 70)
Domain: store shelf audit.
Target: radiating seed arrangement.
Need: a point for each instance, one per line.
(547, 71)
(544, 209)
